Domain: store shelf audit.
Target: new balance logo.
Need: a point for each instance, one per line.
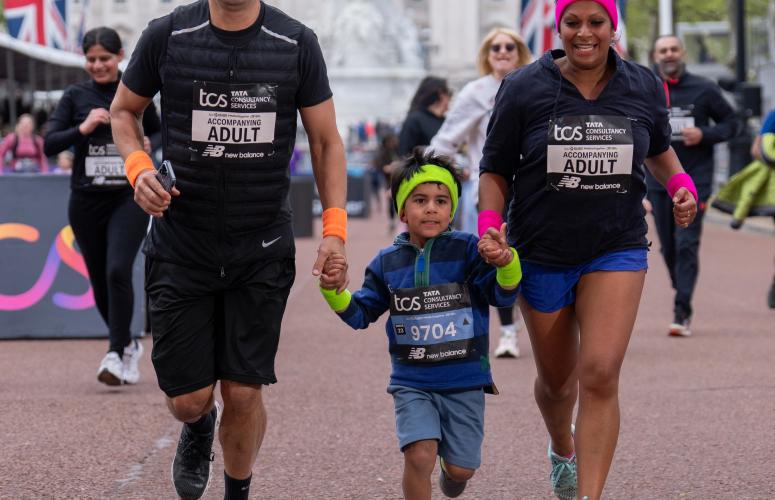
(417, 353)
(569, 181)
(213, 151)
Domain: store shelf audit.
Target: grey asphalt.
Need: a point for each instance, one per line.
(697, 413)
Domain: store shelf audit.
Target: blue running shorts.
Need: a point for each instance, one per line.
(454, 419)
(550, 288)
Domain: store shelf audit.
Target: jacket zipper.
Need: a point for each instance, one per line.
(422, 265)
(222, 177)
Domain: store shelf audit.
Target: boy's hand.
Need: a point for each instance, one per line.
(334, 273)
(494, 248)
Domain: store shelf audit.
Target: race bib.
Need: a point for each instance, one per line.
(103, 165)
(680, 118)
(432, 323)
(591, 153)
(233, 123)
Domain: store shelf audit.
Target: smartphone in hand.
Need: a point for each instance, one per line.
(166, 176)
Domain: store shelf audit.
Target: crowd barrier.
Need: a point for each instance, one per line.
(44, 286)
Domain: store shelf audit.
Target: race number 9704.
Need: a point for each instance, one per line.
(436, 331)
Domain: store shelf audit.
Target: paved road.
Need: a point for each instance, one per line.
(696, 413)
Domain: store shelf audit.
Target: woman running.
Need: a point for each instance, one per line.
(108, 225)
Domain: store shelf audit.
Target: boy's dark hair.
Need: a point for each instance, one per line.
(107, 37)
(411, 166)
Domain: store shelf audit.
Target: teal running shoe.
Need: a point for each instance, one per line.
(563, 475)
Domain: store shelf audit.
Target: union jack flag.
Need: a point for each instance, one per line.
(38, 21)
(537, 27)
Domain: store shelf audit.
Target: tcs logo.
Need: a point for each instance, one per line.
(407, 303)
(62, 250)
(212, 100)
(567, 133)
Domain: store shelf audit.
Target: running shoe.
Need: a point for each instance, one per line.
(450, 488)
(111, 370)
(132, 354)
(680, 327)
(192, 466)
(507, 347)
(563, 475)
(771, 295)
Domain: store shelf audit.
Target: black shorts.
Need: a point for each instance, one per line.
(207, 328)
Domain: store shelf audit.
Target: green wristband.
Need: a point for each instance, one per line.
(510, 275)
(338, 302)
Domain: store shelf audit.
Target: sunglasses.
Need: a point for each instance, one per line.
(496, 47)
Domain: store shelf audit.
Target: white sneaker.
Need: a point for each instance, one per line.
(132, 354)
(507, 347)
(111, 371)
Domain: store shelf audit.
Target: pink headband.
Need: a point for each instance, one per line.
(608, 5)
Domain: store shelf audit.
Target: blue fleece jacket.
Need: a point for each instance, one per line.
(450, 258)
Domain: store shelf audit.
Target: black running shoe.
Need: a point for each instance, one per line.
(193, 460)
(450, 488)
(771, 295)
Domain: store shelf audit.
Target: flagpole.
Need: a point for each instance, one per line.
(665, 17)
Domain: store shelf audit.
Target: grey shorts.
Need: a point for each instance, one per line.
(454, 419)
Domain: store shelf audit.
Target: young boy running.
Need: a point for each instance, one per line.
(437, 284)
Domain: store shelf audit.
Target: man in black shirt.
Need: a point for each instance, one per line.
(693, 102)
(220, 257)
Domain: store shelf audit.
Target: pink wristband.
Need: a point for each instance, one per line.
(488, 219)
(680, 180)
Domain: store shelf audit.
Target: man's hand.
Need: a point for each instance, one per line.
(691, 136)
(334, 273)
(684, 207)
(494, 248)
(151, 196)
(330, 246)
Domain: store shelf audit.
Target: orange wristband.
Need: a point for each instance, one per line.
(137, 163)
(335, 223)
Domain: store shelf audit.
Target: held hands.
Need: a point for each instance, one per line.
(95, 118)
(684, 207)
(150, 194)
(334, 275)
(494, 248)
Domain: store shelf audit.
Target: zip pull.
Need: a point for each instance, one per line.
(223, 272)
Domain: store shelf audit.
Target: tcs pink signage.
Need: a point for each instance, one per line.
(62, 251)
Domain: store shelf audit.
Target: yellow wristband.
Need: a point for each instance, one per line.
(338, 302)
(136, 163)
(511, 274)
(335, 223)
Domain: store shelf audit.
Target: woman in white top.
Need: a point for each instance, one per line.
(501, 52)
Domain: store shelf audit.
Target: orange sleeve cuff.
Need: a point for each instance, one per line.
(136, 163)
(335, 223)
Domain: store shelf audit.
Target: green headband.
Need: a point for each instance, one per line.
(428, 173)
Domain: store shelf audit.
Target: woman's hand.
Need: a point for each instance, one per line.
(684, 207)
(494, 248)
(96, 117)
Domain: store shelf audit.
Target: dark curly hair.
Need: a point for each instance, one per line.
(411, 166)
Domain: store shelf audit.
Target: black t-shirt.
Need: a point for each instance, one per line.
(418, 129)
(546, 136)
(143, 74)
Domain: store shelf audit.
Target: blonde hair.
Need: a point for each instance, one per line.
(523, 52)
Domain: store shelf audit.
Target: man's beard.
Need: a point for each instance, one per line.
(672, 69)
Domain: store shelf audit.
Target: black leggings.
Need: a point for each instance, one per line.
(109, 228)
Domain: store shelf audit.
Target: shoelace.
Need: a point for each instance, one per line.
(562, 468)
(193, 453)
